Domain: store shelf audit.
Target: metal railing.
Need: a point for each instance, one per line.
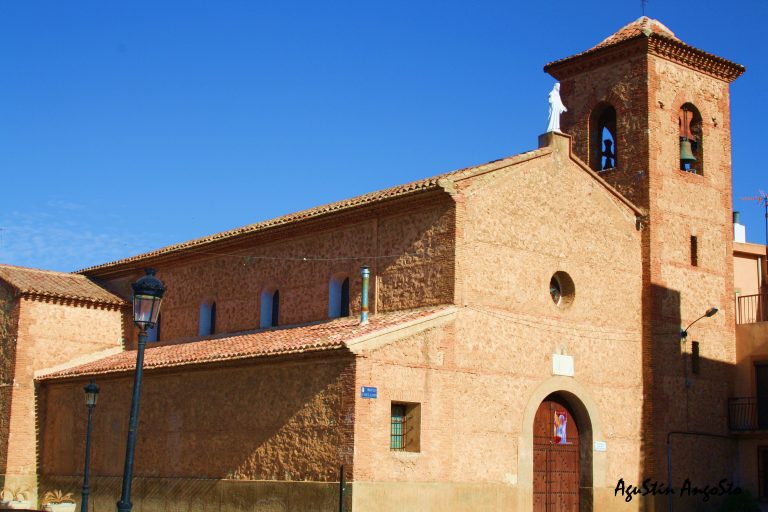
(752, 308)
(744, 415)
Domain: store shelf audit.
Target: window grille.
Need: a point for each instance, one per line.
(397, 435)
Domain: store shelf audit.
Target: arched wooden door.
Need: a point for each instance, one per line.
(555, 458)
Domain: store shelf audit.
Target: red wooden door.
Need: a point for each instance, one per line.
(555, 459)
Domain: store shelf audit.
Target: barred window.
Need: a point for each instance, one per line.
(405, 427)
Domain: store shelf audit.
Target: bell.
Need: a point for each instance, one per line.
(686, 154)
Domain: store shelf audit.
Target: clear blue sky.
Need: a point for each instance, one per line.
(127, 126)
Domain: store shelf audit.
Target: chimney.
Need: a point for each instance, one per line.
(365, 272)
(739, 230)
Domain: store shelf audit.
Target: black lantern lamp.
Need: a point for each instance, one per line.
(147, 294)
(91, 396)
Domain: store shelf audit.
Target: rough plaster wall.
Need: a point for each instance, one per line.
(8, 321)
(276, 420)
(50, 333)
(409, 248)
(474, 377)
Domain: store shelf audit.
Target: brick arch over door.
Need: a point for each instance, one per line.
(584, 409)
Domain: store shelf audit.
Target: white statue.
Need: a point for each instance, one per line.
(556, 108)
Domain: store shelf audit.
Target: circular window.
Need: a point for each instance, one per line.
(561, 289)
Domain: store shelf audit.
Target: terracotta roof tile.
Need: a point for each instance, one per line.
(328, 335)
(641, 26)
(346, 204)
(657, 31)
(56, 284)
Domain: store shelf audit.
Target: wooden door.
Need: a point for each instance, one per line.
(555, 458)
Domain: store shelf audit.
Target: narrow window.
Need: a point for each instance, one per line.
(694, 251)
(207, 324)
(270, 308)
(345, 298)
(276, 308)
(695, 358)
(405, 427)
(338, 297)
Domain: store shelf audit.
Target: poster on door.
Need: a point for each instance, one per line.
(561, 426)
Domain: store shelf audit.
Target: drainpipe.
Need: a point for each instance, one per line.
(365, 272)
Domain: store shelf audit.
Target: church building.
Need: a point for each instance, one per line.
(523, 350)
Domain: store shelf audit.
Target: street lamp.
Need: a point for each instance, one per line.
(710, 313)
(91, 395)
(147, 294)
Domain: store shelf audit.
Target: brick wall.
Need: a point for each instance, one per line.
(48, 333)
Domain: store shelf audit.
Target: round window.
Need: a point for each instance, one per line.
(561, 289)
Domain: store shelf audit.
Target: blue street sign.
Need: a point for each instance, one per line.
(368, 392)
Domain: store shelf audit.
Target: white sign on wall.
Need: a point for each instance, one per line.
(562, 365)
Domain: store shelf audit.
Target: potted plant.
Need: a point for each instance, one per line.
(56, 501)
(16, 498)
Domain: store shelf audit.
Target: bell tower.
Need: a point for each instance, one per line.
(650, 114)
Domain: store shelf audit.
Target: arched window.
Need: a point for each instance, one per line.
(207, 325)
(691, 139)
(338, 297)
(602, 136)
(270, 308)
(153, 334)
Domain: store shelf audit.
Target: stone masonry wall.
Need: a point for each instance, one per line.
(408, 245)
(284, 419)
(476, 375)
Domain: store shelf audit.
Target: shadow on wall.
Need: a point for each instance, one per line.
(687, 394)
(287, 419)
(8, 329)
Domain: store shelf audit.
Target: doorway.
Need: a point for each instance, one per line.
(560, 460)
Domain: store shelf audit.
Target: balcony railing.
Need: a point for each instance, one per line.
(746, 414)
(752, 308)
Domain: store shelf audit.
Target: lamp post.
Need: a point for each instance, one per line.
(91, 395)
(147, 294)
(710, 313)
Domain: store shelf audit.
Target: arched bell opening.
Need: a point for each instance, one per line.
(562, 455)
(602, 137)
(691, 139)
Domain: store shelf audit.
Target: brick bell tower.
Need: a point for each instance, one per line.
(663, 108)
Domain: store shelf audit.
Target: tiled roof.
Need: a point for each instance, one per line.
(328, 335)
(370, 198)
(641, 26)
(669, 46)
(56, 284)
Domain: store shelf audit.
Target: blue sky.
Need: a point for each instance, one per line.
(127, 126)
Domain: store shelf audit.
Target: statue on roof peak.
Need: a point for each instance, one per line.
(556, 108)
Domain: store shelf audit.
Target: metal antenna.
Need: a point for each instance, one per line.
(762, 198)
(643, 3)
